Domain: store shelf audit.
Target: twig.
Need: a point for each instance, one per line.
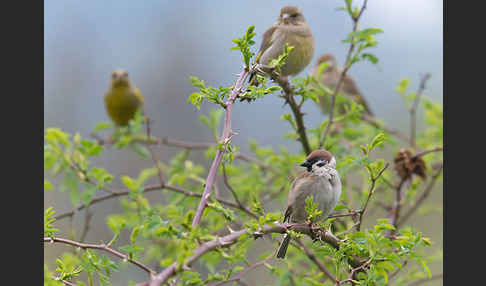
(374, 122)
(316, 261)
(288, 90)
(87, 219)
(420, 154)
(146, 190)
(152, 154)
(413, 108)
(343, 74)
(227, 184)
(394, 213)
(422, 198)
(219, 155)
(102, 247)
(370, 193)
(63, 281)
(233, 237)
(240, 275)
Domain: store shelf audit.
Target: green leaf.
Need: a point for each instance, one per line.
(47, 185)
(102, 126)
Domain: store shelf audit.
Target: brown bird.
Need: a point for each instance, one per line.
(290, 28)
(322, 182)
(330, 77)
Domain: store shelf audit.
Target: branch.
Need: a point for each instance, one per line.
(225, 136)
(343, 74)
(100, 247)
(152, 154)
(413, 109)
(146, 190)
(283, 82)
(422, 198)
(316, 261)
(395, 209)
(372, 121)
(243, 272)
(232, 238)
(370, 193)
(420, 154)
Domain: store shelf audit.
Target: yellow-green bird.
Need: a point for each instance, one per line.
(330, 77)
(122, 100)
(290, 28)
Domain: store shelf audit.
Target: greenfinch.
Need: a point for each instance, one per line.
(122, 100)
(290, 28)
(330, 77)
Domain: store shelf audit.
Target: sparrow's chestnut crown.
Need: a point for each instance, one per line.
(316, 156)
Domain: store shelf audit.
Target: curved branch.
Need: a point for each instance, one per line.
(422, 198)
(102, 247)
(225, 138)
(151, 188)
(232, 238)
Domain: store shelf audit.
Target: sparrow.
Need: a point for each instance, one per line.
(330, 77)
(321, 181)
(290, 28)
(122, 100)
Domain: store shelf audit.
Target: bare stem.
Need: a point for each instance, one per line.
(288, 90)
(413, 109)
(422, 198)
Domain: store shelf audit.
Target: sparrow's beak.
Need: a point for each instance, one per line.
(285, 18)
(306, 164)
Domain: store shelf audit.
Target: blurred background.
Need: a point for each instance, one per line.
(162, 43)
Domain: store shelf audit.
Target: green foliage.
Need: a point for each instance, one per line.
(244, 43)
(311, 209)
(49, 229)
(159, 230)
(281, 59)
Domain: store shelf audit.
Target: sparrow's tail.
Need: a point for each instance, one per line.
(282, 250)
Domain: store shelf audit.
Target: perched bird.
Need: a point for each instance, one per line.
(122, 100)
(322, 182)
(290, 28)
(330, 77)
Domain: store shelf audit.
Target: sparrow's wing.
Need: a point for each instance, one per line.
(267, 40)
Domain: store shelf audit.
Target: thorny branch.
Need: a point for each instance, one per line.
(102, 247)
(225, 136)
(233, 237)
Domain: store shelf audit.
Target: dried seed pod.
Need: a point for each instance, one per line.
(406, 165)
